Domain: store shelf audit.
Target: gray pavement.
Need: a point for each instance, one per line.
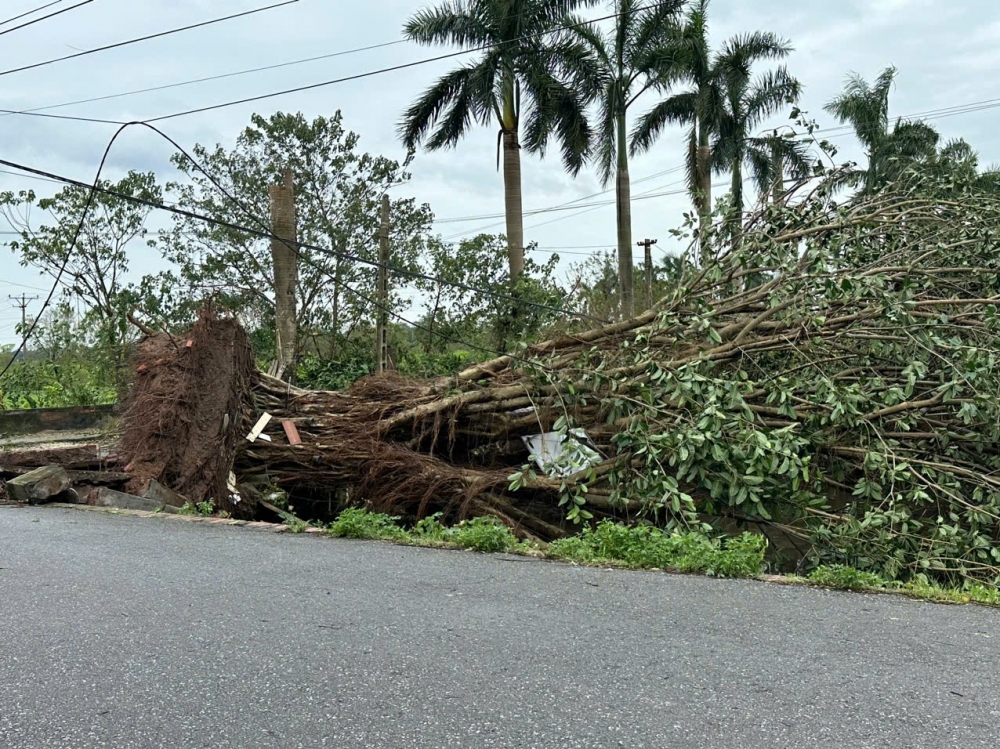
(129, 632)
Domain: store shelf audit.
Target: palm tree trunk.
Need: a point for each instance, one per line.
(623, 199)
(778, 169)
(736, 222)
(705, 188)
(512, 178)
(512, 202)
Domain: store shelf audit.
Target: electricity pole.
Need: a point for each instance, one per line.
(648, 245)
(22, 303)
(382, 326)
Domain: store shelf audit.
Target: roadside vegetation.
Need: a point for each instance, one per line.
(641, 547)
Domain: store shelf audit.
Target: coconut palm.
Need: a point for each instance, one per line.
(515, 80)
(711, 82)
(865, 107)
(617, 67)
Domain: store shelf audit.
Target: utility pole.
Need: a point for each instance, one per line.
(382, 326)
(648, 245)
(22, 303)
(284, 256)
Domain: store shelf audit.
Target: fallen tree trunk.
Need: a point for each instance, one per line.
(832, 380)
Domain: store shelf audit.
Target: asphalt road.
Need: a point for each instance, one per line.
(129, 632)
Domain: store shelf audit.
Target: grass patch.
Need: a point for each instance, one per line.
(842, 577)
(639, 547)
(646, 547)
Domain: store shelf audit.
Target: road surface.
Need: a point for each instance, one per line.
(134, 632)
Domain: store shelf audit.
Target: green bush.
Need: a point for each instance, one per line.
(487, 535)
(371, 526)
(845, 578)
(648, 547)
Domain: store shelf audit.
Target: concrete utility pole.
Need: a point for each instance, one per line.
(22, 302)
(648, 244)
(382, 327)
(284, 255)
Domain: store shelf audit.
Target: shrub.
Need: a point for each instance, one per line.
(362, 524)
(483, 534)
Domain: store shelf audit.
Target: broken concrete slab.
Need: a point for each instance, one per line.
(121, 501)
(164, 495)
(40, 486)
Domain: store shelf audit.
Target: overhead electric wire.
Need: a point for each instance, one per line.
(207, 79)
(267, 234)
(146, 38)
(391, 69)
(27, 13)
(62, 268)
(45, 18)
(559, 207)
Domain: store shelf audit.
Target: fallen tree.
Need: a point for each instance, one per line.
(830, 379)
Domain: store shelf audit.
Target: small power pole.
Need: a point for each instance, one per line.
(382, 326)
(22, 302)
(648, 245)
(284, 255)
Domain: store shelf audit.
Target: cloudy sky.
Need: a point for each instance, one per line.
(948, 54)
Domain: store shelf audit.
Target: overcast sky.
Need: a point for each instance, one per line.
(948, 54)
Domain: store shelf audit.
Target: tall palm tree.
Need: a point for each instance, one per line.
(712, 83)
(865, 108)
(748, 103)
(515, 80)
(618, 66)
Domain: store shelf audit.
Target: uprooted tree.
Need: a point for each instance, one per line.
(832, 382)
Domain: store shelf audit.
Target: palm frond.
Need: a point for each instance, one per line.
(679, 109)
(452, 22)
(426, 112)
(769, 93)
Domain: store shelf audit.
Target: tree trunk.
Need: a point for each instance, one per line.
(705, 188)
(512, 201)
(284, 255)
(778, 167)
(623, 199)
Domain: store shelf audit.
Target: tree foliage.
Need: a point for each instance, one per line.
(338, 192)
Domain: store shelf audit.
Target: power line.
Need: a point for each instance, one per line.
(27, 13)
(207, 79)
(146, 38)
(561, 206)
(267, 234)
(45, 18)
(391, 69)
(76, 237)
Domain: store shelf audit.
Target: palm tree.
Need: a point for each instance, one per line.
(516, 79)
(748, 103)
(866, 109)
(712, 83)
(618, 66)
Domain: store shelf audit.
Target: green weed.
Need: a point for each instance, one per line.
(483, 534)
(648, 547)
(371, 526)
(845, 578)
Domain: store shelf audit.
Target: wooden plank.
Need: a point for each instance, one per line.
(262, 422)
(291, 431)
